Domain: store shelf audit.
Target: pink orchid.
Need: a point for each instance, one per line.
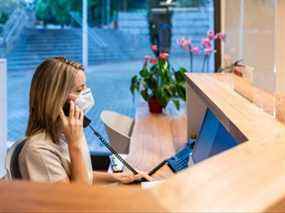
(221, 36)
(163, 56)
(211, 35)
(153, 61)
(195, 50)
(209, 50)
(206, 43)
(147, 58)
(154, 48)
(184, 43)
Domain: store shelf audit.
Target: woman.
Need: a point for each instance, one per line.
(55, 149)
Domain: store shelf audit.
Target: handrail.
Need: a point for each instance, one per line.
(13, 28)
(97, 39)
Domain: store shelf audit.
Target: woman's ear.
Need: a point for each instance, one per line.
(71, 97)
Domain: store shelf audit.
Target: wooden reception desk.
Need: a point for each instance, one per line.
(248, 177)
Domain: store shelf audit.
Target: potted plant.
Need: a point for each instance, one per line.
(158, 83)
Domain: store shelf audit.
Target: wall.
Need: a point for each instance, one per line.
(256, 32)
(250, 28)
(280, 60)
(259, 38)
(3, 118)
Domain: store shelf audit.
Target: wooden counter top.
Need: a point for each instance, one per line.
(155, 138)
(247, 178)
(33, 197)
(234, 111)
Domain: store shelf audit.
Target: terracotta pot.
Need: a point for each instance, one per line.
(154, 106)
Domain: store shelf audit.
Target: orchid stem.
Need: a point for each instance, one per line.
(191, 62)
(204, 61)
(208, 61)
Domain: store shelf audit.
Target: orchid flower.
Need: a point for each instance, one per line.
(163, 56)
(206, 42)
(185, 43)
(209, 50)
(195, 50)
(154, 48)
(211, 35)
(221, 36)
(153, 61)
(147, 58)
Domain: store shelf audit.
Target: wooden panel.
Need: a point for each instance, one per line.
(248, 178)
(32, 197)
(234, 110)
(196, 110)
(179, 130)
(259, 97)
(151, 140)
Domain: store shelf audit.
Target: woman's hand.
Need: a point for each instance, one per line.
(73, 124)
(73, 131)
(126, 178)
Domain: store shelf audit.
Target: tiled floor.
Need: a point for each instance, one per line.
(109, 83)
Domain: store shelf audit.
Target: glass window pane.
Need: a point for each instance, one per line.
(120, 35)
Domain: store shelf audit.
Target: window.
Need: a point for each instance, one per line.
(120, 34)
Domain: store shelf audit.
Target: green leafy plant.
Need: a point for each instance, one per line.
(53, 11)
(158, 80)
(6, 9)
(3, 17)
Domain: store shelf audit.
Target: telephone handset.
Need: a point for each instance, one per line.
(176, 163)
(86, 120)
(86, 123)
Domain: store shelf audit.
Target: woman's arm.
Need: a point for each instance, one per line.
(73, 131)
(79, 172)
(102, 177)
(123, 177)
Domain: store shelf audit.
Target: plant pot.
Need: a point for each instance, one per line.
(154, 106)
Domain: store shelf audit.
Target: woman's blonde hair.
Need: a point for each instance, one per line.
(52, 82)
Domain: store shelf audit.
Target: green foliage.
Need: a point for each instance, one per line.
(57, 11)
(6, 8)
(161, 82)
(181, 3)
(54, 11)
(193, 3)
(3, 17)
(129, 5)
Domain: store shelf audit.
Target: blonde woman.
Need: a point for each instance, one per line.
(55, 149)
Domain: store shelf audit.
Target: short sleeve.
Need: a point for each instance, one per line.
(44, 165)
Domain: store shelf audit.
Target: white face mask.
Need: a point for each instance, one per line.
(85, 100)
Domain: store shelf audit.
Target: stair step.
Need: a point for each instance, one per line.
(130, 42)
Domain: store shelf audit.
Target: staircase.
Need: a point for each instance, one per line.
(193, 23)
(35, 45)
(128, 43)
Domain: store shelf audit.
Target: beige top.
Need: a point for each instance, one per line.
(41, 160)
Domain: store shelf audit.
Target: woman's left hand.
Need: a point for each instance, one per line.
(126, 178)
